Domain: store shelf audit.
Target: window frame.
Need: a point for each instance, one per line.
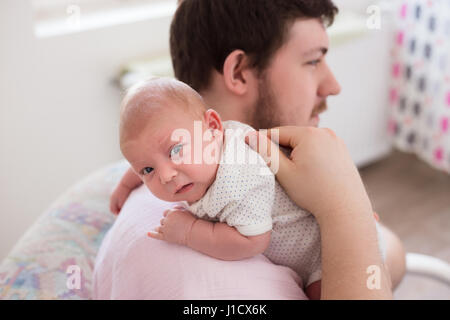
(59, 9)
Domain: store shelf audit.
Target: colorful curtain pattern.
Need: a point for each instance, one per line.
(420, 91)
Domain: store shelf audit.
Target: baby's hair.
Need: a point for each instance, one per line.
(149, 97)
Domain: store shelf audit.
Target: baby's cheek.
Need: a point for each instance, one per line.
(208, 173)
(157, 190)
(149, 187)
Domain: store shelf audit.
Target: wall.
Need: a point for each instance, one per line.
(58, 108)
(360, 113)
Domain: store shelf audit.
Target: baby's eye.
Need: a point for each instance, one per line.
(147, 170)
(176, 150)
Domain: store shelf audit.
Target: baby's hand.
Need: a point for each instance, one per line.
(118, 198)
(175, 226)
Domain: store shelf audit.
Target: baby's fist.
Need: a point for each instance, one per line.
(175, 226)
(118, 198)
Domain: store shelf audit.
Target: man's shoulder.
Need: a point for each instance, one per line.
(238, 157)
(233, 124)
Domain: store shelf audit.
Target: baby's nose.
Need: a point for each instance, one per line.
(167, 174)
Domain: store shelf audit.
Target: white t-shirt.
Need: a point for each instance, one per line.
(245, 195)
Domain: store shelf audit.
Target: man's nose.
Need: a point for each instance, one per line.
(167, 173)
(329, 85)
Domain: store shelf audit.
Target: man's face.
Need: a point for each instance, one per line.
(294, 87)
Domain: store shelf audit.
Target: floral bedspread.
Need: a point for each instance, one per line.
(55, 258)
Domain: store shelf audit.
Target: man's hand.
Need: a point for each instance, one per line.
(319, 159)
(175, 226)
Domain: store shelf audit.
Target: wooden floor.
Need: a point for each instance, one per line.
(413, 200)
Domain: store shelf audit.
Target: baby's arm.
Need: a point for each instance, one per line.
(247, 231)
(128, 183)
(217, 240)
(221, 241)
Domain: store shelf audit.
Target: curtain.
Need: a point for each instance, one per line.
(420, 91)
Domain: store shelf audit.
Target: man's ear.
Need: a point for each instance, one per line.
(212, 120)
(237, 73)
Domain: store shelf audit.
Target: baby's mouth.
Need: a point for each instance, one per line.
(184, 188)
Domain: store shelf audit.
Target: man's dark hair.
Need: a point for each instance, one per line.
(204, 32)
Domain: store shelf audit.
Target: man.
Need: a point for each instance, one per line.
(258, 62)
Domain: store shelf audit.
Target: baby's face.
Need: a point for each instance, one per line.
(166, 164)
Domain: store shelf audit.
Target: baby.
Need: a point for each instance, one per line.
(184, 153)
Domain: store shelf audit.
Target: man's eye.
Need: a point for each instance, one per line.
(176, 150)
(146, 170)
(314, 62)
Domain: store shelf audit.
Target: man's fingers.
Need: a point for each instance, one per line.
(276, 160)
(285, 135)
(259, 142)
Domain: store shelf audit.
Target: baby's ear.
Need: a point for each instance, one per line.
(212, 120)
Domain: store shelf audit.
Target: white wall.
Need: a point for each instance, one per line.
(58, 108)
(359, 6)
(360, 113)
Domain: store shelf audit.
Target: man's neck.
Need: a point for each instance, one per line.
(227, 105)
(223, 106)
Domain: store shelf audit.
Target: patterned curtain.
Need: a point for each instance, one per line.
(420, 92)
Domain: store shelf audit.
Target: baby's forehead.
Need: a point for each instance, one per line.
(137, 116)
(155, 138)
(170, 127)
(167, 109)
(159, 111)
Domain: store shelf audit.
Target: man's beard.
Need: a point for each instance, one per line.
(321, 107)
(266, 113)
